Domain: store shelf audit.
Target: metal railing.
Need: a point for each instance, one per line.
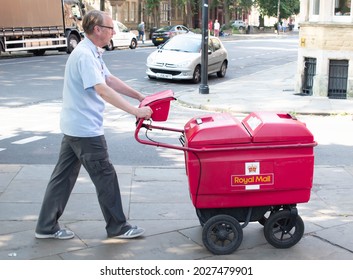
(338, 76)
(309, 73)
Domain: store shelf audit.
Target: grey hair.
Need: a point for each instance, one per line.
(91, 19)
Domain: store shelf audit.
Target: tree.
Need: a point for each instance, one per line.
(239, 7)
(188, 7)
(152, 7)
(287, 7)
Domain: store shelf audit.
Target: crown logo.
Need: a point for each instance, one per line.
(252, 168)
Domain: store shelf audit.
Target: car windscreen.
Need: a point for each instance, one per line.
(179, 43)
(164, 29)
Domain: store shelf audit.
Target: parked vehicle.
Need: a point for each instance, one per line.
(163, 34)
(39, 25)
(238, 24)
(123, 37)
(180, 59)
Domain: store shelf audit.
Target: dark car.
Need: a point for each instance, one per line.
(163, 34)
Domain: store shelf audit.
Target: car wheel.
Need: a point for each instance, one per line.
(110, 46)
(222, 72)
(133, 44)
(196, 77)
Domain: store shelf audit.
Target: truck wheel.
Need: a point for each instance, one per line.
(38, 52)
(72, 42)
(2, 48)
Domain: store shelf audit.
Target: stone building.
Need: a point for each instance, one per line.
(325, 56)
(132, 12)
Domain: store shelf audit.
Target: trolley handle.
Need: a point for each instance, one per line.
(141, 124)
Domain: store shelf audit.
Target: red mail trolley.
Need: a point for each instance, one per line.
(254, 170)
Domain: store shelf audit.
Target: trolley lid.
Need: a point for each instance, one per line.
(215, 129)
(159, 103)
(276, 127)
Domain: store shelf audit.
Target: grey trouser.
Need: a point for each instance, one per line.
(92, 153)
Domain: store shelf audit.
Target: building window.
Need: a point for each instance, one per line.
(314, 10)
(126, 12)
(342, 7)
(165, 12)
(338, 77)
(316, 7)
(133, 12)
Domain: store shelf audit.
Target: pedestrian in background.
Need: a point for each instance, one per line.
(88, 84)
(216, 27)
(141, 31)
(284, 25)
(210, 27)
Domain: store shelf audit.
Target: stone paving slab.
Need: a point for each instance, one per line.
(157, 198)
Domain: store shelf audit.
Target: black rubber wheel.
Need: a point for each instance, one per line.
(39, 52)
(222, 235)
(133, 44)
(72, 42)
(110, 46)
(222, 72)
(196, 78)
(278, 232)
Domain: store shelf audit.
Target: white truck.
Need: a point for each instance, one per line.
(39, 25)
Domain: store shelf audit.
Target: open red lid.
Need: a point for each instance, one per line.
(159, 103)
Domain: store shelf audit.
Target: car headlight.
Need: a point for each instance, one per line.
(183, 63)
(150, 60)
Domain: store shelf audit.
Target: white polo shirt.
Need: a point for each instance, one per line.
(82, 109)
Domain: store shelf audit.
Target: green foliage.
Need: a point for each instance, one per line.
(151, 5)
(287, 7)
(245, 4)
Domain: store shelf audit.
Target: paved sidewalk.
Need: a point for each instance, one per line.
(157, 198)
(273, 89)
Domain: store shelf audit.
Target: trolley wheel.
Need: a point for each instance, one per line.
(281, 231)
(222, 234)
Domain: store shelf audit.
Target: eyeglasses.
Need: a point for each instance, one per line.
(109, 27)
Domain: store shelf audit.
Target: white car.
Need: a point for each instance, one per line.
(180, 59)
(123, 37)
(239, 24)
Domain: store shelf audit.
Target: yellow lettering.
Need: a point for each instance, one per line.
(252, 179)
(263, 179)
